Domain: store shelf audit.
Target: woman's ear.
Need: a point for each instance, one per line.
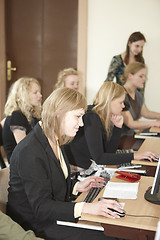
(130, 75)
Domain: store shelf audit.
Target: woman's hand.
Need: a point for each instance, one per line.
(145, 155)
(90, 182)
(102, 208)
(155, 123)
(117, 120)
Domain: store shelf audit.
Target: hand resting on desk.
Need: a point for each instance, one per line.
(106, 208)
(145, 156)
(101, 207)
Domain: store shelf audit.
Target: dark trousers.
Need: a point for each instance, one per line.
(74, 233)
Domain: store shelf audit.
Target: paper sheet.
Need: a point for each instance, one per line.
(121, 190)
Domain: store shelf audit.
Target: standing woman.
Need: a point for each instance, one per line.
(98, 140)
(133, 53)
(41, 189)
(22, 110)
(68, 77)
(134, 78)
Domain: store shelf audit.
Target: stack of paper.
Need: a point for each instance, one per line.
(121, 190)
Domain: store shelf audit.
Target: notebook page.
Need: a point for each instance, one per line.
(121, 190)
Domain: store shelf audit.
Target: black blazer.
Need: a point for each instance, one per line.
(91, 143)
(39, 195)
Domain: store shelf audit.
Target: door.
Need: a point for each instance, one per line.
(41, 39)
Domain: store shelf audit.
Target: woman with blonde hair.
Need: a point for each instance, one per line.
(22, 110)
(134, 78)
(98, 140)
(68, 77)
(41, 195)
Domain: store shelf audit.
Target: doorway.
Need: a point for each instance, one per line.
(41, 39)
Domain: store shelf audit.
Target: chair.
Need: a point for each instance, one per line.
(4, 180)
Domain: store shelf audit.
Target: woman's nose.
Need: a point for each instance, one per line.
(40, 95)
(81, 124)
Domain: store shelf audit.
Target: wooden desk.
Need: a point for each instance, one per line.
(133, 228)
(152, 145)
(155, 129)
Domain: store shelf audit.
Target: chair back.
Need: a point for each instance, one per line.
(4, 184)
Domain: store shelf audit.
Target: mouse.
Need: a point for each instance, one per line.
(118, 213)
(113, 210)
(153, 160)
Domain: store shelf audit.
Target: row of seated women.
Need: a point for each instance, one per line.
(40, 188)
(103, 127)
(23, 107)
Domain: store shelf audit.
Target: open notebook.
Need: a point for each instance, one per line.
(121, 190)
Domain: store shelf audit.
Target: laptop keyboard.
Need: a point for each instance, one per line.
(126, 165)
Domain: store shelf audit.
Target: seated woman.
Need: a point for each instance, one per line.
(99, 138)
(133, 53)
(41, 189)
(68, 77)
(22, 110)
(134, 77)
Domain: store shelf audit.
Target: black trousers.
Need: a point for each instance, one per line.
(74, 233)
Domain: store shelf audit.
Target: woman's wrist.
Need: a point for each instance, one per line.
(85, 208)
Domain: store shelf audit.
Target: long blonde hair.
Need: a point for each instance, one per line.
(58, 103)
(106, 94)
(132, 68)
(18, 99)
(62, 76)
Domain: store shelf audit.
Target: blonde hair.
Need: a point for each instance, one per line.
(106, 94)
(58, 103)
(62, 76)
(18, 99)
(132, 68)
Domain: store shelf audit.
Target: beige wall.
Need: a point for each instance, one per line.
(109, 25)
(2, 60)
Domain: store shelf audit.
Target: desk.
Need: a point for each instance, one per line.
(152, 145)
(155, 129)
(130, 227)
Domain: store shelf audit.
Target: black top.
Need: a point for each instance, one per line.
(39, 194)
(134, 107)
(1, 141)
(17, 119)
(91, 143)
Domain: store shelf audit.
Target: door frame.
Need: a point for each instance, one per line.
(82, 43)
(2, 60)
(81, 50)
